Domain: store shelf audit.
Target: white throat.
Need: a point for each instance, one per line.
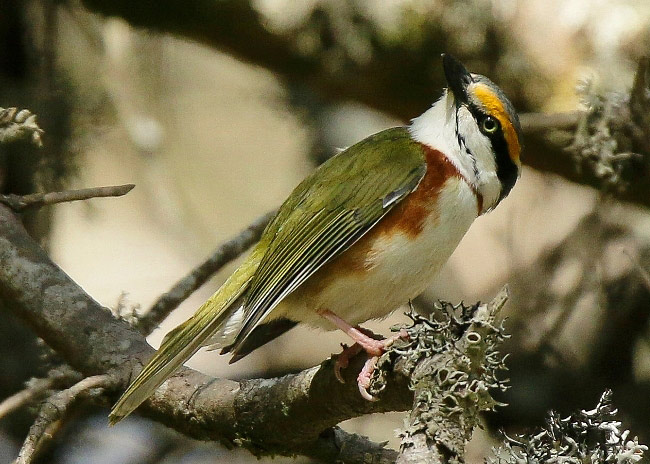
(455, 134)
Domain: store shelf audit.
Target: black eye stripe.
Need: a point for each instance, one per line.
(507, 170)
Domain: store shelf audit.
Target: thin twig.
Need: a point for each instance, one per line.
(498, 302)
(37, 388)
(19, 203)
(52, 411)
(225, 253)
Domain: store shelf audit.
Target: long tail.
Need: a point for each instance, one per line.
(210, 324)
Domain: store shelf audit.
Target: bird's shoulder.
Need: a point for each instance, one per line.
(370, 169)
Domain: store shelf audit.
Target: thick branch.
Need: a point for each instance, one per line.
(453, 362)
(224, 253)
(285, 415)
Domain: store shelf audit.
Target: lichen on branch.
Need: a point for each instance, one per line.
(452, 361)
(612, 138)
(593, 436)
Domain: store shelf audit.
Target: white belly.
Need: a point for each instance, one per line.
(400, 266)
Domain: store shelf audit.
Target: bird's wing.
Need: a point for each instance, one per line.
(328, 212)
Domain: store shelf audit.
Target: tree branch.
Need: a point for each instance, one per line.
(533, 123)
(21, 202)
(293, 414)
(52, 411)
(645, 275)
(336, 445)
(225, 253)
(286, 415)
(38, 388)
(453, 363)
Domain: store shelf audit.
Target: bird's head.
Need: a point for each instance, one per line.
(477, 128)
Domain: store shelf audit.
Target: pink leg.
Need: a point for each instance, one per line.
(370, 345)
(374, 348)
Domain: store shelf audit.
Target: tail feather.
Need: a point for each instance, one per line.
(186, 339)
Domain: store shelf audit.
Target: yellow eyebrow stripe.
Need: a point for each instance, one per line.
(495, 108)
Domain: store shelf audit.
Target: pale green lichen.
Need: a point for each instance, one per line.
(588, 437)
(452, 362)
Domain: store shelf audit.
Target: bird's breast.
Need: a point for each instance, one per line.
(395, 260)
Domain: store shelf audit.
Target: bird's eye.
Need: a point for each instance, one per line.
(490, 125)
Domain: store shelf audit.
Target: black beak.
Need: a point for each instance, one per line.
(458, 78)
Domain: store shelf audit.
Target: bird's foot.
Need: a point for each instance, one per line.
(375, 345)
(374, 348)
(364, 340)
(365, 376)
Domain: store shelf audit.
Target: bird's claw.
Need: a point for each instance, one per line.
(363, 379)
(374, 348)
(343, 359)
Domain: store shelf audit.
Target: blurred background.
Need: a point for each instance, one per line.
(217, 111)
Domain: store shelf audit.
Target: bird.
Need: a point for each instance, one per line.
(364, 233)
